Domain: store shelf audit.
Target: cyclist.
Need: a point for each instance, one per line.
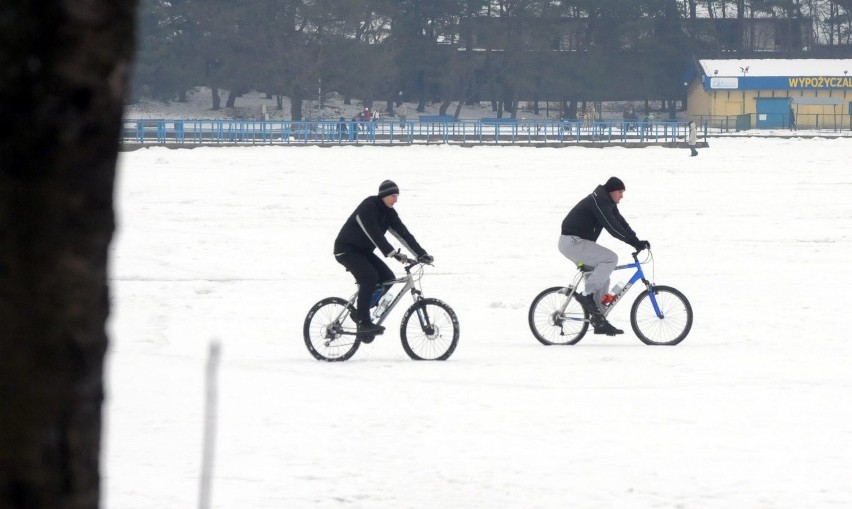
(580, 231)
(362, 233)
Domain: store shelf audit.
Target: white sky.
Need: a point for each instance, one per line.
(235, 245)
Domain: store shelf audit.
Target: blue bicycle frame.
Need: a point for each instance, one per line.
(637, 276)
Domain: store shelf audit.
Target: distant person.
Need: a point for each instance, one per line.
(630, 118)
(792, 119)
(649, 121)
(402, 111)
(361, 234)
(342, 131)
(580, 231)
(355, 120)
(367, 115)
(692, 138)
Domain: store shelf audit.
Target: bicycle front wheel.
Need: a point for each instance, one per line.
(330, 331)
(553, 321)
(429, 330)
(669, 329)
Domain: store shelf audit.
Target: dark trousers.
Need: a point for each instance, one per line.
(369, 270)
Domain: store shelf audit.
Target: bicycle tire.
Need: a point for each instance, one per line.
(322, 332)
(437, 341)
(550, 329)
(669, 330)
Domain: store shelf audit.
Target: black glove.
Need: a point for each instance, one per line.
(398, 256)
(642, 244)
(426, 258)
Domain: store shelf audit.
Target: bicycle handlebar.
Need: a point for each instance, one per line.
(635, 254)
(413, 263)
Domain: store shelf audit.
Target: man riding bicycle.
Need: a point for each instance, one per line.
(361, 234)
(580, 231)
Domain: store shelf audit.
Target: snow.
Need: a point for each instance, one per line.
(234, 245)
(774, 67)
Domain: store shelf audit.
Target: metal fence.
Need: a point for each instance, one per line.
(469, 132)
(482, 131)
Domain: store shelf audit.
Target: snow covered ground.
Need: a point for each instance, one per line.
(234, 245)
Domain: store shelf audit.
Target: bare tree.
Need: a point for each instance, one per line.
(63, 74)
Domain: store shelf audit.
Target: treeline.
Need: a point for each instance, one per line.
(463, 51)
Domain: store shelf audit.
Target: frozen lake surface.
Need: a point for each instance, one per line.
(235, 244)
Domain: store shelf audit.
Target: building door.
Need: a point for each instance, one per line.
(773, 113)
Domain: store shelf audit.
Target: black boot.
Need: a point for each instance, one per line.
(607, 328)
(367, 331)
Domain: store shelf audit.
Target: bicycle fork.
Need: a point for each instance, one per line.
(423, 314)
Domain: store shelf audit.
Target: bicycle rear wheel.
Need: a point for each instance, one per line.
(675, 323)
(550, 324)
(330, 331)
(433, 334)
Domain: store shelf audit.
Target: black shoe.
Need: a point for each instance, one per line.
(367, 339)
(608, 329)
(369, 329)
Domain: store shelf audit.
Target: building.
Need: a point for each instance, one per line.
(815, 93)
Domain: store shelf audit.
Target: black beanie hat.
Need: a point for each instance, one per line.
(614, 184)
(388, 188)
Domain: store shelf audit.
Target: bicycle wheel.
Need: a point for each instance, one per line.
(672, 328)
(324, 330)
(553, 326)
(433, 333)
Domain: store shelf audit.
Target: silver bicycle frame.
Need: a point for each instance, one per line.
(409, 281)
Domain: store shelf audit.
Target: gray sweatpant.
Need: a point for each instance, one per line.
(594, 255)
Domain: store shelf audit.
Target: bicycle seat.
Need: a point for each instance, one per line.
(584, 268)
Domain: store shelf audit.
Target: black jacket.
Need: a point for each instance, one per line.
(593, 214)
(365, 230)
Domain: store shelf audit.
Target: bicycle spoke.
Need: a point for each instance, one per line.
(554, 321)
(429, 330)
(325, 336)
(672, 327)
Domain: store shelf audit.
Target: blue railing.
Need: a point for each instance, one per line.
(442, 130)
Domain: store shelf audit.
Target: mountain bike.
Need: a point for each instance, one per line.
(429, 329)
(661, 315)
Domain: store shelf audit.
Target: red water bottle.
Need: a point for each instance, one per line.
(609, 298)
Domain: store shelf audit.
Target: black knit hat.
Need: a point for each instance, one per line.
(388, 188)
(614, 184)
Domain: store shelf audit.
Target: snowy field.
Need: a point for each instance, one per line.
(235, 244)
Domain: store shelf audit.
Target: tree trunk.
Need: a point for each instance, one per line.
(217, 102)
(465, 84)
(296, 98)
(66, 66)
(232, 98)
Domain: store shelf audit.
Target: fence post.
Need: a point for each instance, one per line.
(209, 431)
